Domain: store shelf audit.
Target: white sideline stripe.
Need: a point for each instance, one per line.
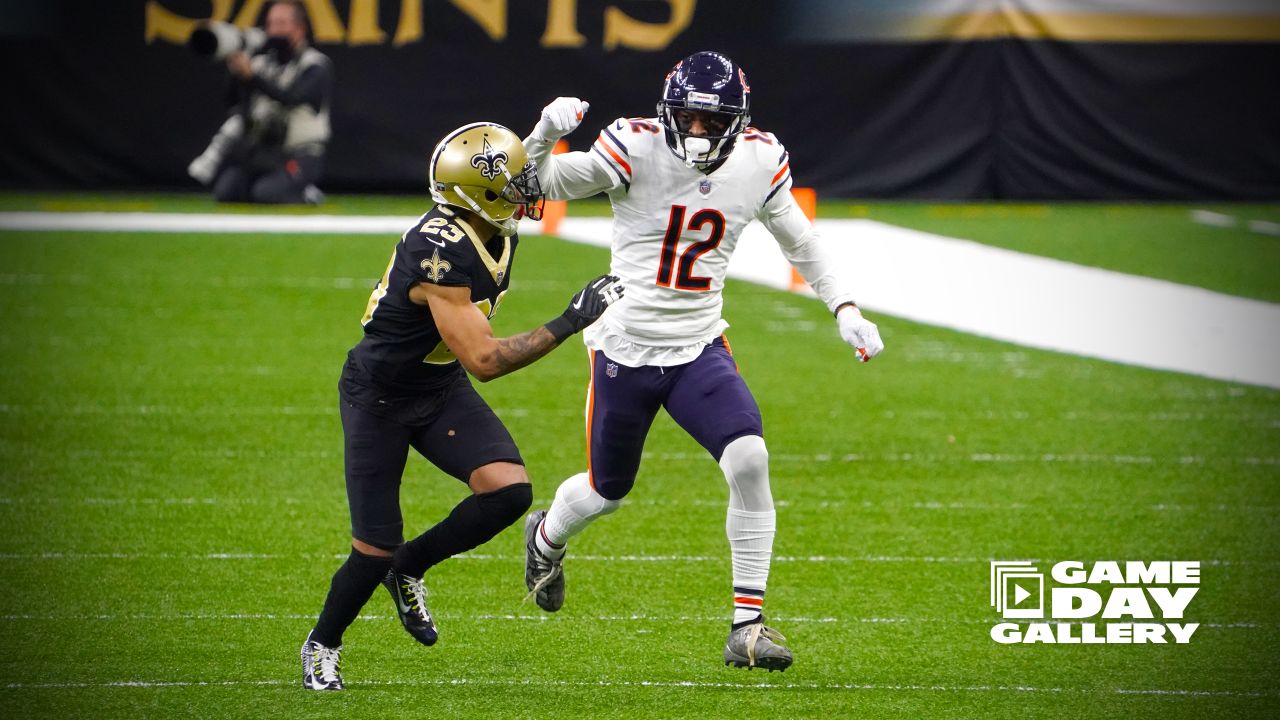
(205, 223)
(681, 684)
(1025, 299)
(1264, 227)
(561, 618)
(235, 281)
(1212, 219)
(585, 558)
(936, 280)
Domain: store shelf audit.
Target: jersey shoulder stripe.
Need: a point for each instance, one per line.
(623, 173)
(781, 177)
(615, 155)
(617, 144)
(754, 134)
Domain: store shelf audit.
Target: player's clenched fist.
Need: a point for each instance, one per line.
(587, 306)
(560, 118)
(859, 332)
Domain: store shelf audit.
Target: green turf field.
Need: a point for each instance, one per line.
(172, 484)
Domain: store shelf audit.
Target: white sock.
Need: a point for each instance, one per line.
(751, 545)
(750, 524)
(575, 506)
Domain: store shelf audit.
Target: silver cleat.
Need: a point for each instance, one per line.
(756, 645)
(543, 576)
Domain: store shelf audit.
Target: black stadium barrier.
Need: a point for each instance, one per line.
(1001, 103)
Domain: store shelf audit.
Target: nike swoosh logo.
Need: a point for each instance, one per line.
(395, 595)
(577, 304)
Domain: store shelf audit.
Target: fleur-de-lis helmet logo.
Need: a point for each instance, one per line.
(487, 161)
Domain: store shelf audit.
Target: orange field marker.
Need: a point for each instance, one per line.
(553, 211)
(807, 199)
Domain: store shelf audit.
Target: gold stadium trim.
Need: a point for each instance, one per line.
(1102, 27)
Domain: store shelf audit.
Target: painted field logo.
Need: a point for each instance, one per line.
(1094, 603)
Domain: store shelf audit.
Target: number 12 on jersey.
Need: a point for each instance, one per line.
(683, 271)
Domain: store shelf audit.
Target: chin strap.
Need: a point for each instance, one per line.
(506, 228)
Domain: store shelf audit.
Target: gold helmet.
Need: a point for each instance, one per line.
(471, 169)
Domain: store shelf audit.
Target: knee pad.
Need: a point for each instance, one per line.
(503, 507)
(746, 468)
(584, 500)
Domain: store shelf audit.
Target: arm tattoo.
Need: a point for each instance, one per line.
(517, 351)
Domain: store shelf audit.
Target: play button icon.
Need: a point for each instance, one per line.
(1017, 589)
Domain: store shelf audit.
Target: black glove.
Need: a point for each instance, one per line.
(586, 307)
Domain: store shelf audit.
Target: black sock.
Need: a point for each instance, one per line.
(473, 522)
(351, 588)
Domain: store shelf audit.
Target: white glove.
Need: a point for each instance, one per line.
(859, 332)
(560, 118)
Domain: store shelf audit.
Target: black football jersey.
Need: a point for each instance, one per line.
(402, 351)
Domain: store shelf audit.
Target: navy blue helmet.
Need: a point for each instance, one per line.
(712, 87)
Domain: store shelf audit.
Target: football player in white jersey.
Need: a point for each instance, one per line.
(683, 186)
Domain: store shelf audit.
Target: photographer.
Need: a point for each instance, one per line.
(271, 148)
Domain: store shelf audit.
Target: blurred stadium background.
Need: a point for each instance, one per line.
(169, 443)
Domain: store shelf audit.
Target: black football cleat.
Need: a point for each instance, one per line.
(410, 596)
(321, 666)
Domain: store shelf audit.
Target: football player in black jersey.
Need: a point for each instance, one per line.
(405, 385)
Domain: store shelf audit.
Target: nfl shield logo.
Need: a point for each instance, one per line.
(704, 187)
(611, 370)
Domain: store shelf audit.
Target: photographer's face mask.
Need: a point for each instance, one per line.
(280, 48)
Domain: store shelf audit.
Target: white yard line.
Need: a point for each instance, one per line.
(469, 617)
(544, 617)
(719, 504)
(765, 685)
(54, 555)
(936, 280)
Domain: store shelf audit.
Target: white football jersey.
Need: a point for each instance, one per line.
(674, 230)
(674, 227)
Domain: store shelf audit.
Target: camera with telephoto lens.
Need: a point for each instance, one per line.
(217, 40)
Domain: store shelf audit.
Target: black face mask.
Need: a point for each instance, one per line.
(280, 48)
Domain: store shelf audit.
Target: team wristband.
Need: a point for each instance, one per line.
(561, 329)
(844, 305)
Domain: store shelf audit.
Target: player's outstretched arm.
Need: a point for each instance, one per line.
(803, 248)
(567, 176)
(468, 334)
